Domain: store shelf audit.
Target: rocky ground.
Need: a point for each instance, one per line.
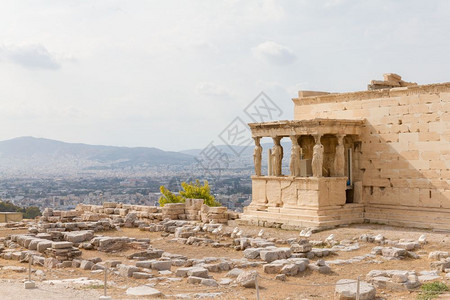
(197, 261)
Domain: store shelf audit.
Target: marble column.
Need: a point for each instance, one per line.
(257, 156)
(294, 165)
(277, 156)
(339, 157)
(317, 159)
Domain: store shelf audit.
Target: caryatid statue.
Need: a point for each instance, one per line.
(277, 156)
(339, 157)
(257, 156)
(294, 165)
(317, 159)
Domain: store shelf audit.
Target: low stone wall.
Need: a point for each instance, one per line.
(127, 215)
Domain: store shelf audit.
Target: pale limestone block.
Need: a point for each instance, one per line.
(430, 198)
(429, 136)
(273, 193)
(259, 192)
(398, 110)
(405, 138)
(368, 195)
(429, 98)
(372, 103)
(289, 194)
(440, 183)
(420, 164)
(336, 192)
(419, 183)
(389, 102)
(410, 154)
(389, 173)
(445, 198)
(438, 165)
(431, 174)
(308, 197)
(418, 109)
(357, 192)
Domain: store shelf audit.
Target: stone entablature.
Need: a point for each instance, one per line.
(317, 126)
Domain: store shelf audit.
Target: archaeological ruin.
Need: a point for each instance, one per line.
(378, 156)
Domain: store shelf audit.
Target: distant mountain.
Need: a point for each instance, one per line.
(26, 153)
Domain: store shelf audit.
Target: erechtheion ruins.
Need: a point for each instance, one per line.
(380, 156)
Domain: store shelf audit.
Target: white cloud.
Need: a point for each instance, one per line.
(211, 89)
(33, 56)
(274, 53)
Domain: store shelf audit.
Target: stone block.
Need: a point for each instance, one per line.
(142, 275)
(194, 280)
(247, 279)
(86, 265)
(62, 245)
(198, 272)
(127, 270)
(43, 245)
(272, 268)
(290, 269)
(297, 248)
(144, 264)
(252, 253)
(209, 282)
(161, 265)
(393, 252)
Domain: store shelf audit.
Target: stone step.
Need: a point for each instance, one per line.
(320, 216)
(407, 217)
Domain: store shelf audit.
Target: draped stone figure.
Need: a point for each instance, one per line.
(277, 156)
(257, 156)
(294, 165)
(339, 158)
(317, 159)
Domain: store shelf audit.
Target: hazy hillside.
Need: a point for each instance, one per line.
(29, 156)
(28, 153)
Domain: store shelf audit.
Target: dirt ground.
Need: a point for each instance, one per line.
(295, 287)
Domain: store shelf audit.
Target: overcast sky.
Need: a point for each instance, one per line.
(174, 74)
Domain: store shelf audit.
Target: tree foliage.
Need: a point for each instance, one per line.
(191, 190)
(195, 190)
(168, 196)
(30, 212)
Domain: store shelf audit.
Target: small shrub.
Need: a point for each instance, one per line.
(191, 190)
(432, 290)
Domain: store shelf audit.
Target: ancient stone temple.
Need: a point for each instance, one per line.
(380, 156)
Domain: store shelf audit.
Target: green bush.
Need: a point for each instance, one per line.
(432, 290)
(168, 196)
(192, 190)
